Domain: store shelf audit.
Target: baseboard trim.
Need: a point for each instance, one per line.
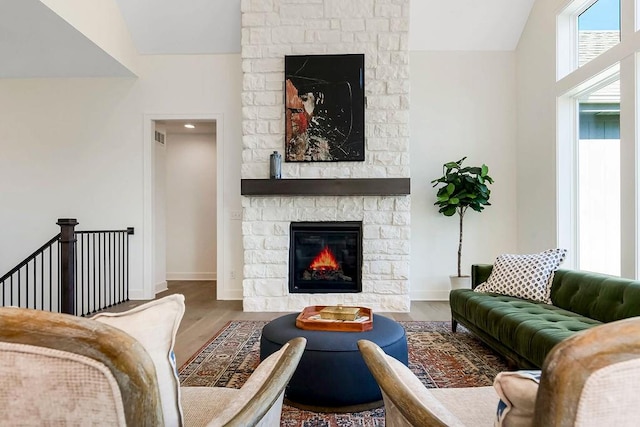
(233, 294)
(430, 296)
(137, 294)
(162, 286)
(192, 276)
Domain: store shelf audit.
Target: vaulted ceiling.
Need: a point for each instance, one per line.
(36, 42)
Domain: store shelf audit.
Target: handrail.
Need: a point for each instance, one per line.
(29, 258)
(75, 272)
(129, 231)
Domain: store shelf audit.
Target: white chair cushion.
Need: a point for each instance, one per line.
(215, 406)
(202, 405)
(473, 406)
(154, 325)
(517, 391)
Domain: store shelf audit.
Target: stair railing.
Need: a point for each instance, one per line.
(30, 283)
(76, 272)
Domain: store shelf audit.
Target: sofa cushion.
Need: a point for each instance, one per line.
(524, 276)
(529, 328)
(598, 296)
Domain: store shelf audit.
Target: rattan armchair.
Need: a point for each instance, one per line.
(588, 380)
(58, 369)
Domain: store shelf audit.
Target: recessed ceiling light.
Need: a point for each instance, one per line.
(189, 126)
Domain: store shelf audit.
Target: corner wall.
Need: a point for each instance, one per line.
(74, 148)
(536, 139)
(462, 104)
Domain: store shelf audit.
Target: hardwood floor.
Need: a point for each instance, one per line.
(204, 315)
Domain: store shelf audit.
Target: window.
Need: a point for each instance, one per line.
(585, 30)
(598, 180)
(598, 29)
(598, 198)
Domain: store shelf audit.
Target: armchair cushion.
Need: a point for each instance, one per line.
(408, 402)
(524, 276)
(217, 405)
(257, 403)
(517, 391)
(154, 325)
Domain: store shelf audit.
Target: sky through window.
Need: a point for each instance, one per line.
(601, 16)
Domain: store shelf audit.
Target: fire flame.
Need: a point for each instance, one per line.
(325, 261)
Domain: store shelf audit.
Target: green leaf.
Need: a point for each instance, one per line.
(475, 171)
(461, 187)
(450, 211)
(451, 165)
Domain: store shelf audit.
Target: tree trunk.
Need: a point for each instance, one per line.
(461, 215)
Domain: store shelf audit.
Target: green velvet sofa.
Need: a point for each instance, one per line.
(525, 331)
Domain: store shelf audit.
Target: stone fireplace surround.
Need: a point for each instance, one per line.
(272, 29)
(385, 247)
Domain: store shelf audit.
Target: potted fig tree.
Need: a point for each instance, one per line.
(461, 188)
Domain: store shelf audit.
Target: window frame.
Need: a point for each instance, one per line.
(571, 80)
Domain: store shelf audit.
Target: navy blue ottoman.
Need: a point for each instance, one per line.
(332, 376)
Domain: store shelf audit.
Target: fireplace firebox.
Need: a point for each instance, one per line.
(325, 257)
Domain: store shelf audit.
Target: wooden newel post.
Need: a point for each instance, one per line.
(67, 265)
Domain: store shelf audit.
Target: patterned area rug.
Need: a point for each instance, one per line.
(440, 358)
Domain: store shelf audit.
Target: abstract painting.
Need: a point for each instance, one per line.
(324, 108)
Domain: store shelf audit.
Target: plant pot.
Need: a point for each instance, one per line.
(460, 282)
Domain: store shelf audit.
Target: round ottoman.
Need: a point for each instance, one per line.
(332, 375)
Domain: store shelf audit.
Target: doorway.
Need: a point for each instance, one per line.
(182, 199)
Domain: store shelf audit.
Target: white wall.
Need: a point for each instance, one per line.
(69, 149)
(462, 104)
(536, 139)
(86, 135)
(101, 22)
(191, 206)
(74, 148)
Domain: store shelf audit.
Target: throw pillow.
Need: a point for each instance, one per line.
(517, 391)
(154, 325)
(524, 276)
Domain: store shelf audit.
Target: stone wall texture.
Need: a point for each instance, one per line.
(272, 29)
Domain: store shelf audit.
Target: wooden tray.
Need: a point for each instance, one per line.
(303, 321)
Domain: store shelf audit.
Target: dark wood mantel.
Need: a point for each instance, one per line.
(326, 187)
